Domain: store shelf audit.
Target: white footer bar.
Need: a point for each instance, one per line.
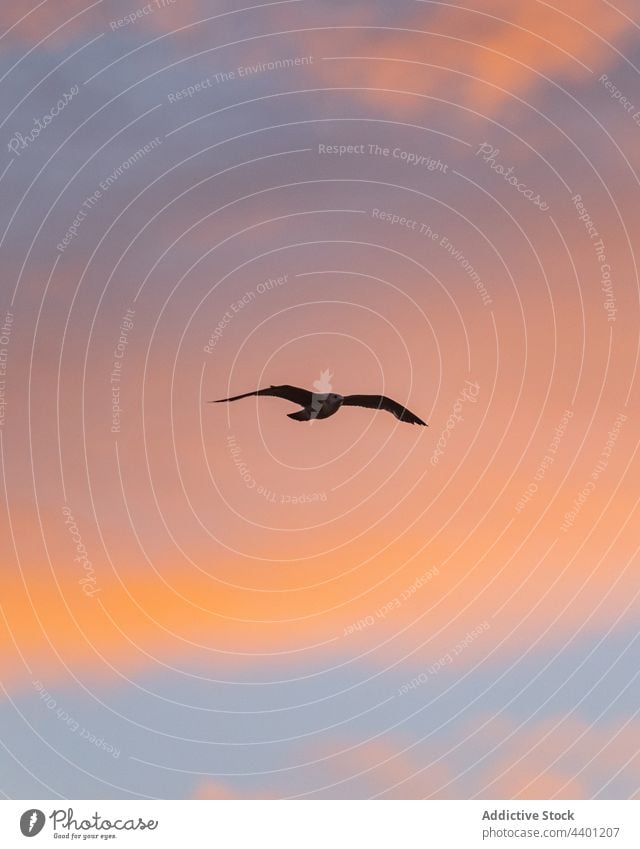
(320, 824)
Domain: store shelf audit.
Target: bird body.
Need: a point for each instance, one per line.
(317, 405)
(322, 406)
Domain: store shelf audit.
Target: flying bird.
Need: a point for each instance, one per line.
(322, 405)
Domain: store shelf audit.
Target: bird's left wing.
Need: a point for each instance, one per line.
(381, 402)
(289, 393)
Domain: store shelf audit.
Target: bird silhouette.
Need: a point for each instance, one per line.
(321, 405)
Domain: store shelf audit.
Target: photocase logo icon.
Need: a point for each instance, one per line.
(322, 388)
(323, 384)
(32, 822)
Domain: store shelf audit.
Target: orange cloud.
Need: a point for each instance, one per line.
(558, 758)
(383, 769)
(62, 21)
(475, 58)
(218, 790)
(459, 54)
(399, 601)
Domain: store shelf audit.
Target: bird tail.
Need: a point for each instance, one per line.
(301, 416)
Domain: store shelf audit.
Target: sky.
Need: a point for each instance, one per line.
(436, 201)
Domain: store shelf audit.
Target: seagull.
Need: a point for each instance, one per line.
(322, 405)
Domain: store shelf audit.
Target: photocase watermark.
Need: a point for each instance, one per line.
(115, 175)
(489, 155)
(446, 659)
(141, 12)
(190, 91)
(322, 387)
(262, 68)
(616, 94)
(5, 338)
(606, 284)
(105, 184)
(603, 461)
(469, 394)
(546, 462)
(397, 220)
(19, 142)
(237, 306)
(96, 827)
(115, 378)
(72, 724)
(269, 495)
(239, 73)
(425, 230)
(392, 605)
(457, 255)
(32, 822)
(408, 157)
(88, 580)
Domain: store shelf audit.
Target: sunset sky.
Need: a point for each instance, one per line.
(431, 200)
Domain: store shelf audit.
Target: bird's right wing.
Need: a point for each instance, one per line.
(381, 402)
(290, 393)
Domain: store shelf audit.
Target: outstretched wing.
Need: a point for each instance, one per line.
(289, 393)
(381, 402)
